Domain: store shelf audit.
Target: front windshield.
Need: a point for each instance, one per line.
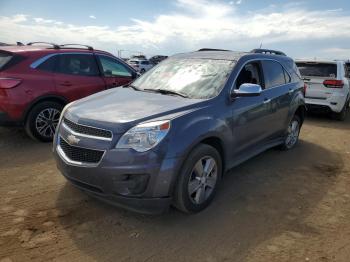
(194, 78)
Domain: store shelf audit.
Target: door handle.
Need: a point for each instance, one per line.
(266, 101)
(66, 84)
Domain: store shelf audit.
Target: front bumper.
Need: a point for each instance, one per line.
(139, 182)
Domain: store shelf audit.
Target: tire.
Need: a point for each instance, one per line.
(142, 71)
(342, 114)
(201, 157)
(292, 134)
(42, 120)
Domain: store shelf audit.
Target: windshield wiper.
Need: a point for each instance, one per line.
(133, 87)
(166, 92)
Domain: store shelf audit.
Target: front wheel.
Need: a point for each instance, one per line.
(42, 121)
(198, 179)
(292, 135)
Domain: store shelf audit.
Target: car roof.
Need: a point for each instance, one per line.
(47, 49)
(230, 55)
(319, 61)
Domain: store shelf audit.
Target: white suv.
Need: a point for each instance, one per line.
(327, 85)
(140, 65)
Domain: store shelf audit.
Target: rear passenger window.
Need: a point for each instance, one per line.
(77, 64)
(48, 65)
(286, 76)
(274, 74)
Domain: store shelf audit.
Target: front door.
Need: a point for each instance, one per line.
(249, 113)
(114, 72)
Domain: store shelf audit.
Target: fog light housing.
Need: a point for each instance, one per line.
(130, 184)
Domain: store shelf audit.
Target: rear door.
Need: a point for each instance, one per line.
(279, 93)
(314, 74)
(114, 72)
(77, 75)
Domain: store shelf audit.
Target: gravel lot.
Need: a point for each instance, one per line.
(279, 206)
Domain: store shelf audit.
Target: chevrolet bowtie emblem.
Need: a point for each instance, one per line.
(72, 139)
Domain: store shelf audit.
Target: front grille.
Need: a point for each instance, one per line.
(87, 130)
(80, 154)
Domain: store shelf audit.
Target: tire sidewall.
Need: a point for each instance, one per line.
(183, 201)
(30, 121)
(284, 146)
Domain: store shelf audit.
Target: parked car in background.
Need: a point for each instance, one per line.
(327, 86)
(37, 81)
(169, 137)
(140, 65)
(157, 59)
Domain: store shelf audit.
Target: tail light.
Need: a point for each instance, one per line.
(304, 90)
(333, 83)
(7, 83)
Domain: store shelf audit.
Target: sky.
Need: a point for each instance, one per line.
(302, 29)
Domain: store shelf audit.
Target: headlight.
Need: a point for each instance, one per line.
(145, 136)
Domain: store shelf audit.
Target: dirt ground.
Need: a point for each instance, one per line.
(279, 206)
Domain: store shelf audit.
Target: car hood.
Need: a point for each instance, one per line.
(121, 108)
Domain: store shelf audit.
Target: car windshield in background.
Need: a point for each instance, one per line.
(134, 62)
(194, 78)
(318, 69)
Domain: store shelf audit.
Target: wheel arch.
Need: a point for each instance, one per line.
(47, 98)
(217, 143)
(301, 112)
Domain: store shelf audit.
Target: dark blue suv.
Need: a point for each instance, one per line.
(168, 138)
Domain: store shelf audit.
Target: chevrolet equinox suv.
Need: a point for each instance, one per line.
(36, 81)
(168, 138)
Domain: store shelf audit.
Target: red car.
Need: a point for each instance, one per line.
(39, 79)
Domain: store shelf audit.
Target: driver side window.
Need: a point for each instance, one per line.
(250, 74)
(112, 67)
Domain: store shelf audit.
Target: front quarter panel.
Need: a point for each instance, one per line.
(192, 128)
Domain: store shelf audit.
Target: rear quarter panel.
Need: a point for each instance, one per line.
(35, 83)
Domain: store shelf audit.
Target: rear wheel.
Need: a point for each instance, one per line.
(341, 115)
(142, 71)
(292, 135)
(42, 121)
(198, 179)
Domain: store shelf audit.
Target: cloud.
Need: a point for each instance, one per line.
(194, 24)
(92, 16)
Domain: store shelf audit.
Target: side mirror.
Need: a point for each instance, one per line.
(247, 90)
(135, 75)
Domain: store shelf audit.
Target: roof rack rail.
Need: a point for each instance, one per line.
(46, 43)
(211, 49)
(87, 46)
(267, 51)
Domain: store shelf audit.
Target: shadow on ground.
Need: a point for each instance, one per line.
(325, 120)
(15, 144)
(258, 200)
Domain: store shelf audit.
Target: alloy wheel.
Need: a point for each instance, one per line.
(293, 133)
(47, 121)
(203, 180)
